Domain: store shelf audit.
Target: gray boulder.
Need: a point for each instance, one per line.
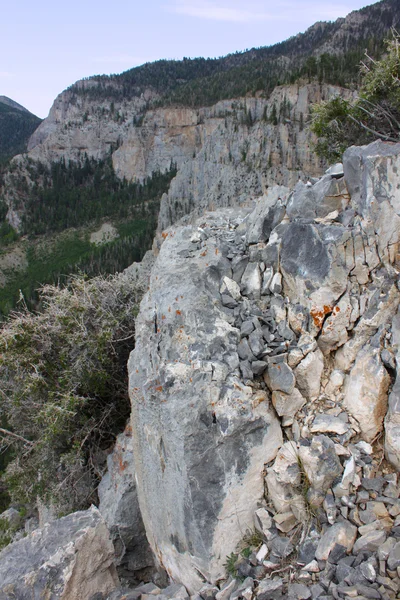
(70, 558)
(372, 176)
(201, 437)
(119, 507)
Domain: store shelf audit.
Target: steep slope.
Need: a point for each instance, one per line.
(16, 126)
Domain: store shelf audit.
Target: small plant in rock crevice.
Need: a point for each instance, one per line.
(230, 564)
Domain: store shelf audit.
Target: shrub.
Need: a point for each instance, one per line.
(375, 114)
(63, 388)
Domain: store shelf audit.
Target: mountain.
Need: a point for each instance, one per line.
(142, 149)
(16, 126)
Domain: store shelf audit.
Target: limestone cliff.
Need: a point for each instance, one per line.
(224, 153)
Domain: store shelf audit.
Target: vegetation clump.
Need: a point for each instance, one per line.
(375, 114)
(63, 388)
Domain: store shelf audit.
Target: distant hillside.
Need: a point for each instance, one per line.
(16, 126)
(330, 51)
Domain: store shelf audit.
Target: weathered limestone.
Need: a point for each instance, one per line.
(392, 420)
(365, 392)
(69, 559)
(201, 437)
(308, 374)
(372, 176)
(120, 509)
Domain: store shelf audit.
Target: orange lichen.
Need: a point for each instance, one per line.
(319, 315)
(164, 235)
(178, 312)
(159, 388)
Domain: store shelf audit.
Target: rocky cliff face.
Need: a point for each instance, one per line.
(259, 326)
(224, 153)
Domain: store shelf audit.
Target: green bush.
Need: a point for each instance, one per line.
(63, 388)
(375, 114)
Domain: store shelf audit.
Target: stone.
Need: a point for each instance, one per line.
(385, 548)
(320, 462)
(175, 590)
(306, 550)
(393, 560)
(276, 284)
(227, 589)
(392, 419)
(70, 557)
(269, 589)
(369, 542)
(341, 533)
(244, 350)
(266, 281)
(308, 375)
(119, 506)
(281, 547)
(349, 472)
(285, 521)
(328, 424)
(287, 405)
(365, 392)
(368, 571)
(298, 591)
(246, 370)
(190, 408)
(229, 287)
(280, 377)
(11, 518)
(246, 328)
(262, 553)
(258, 367)
(251, 281)
(256, 342)
(262, 520)
(371, 177)
(329, 506)
(267, 214)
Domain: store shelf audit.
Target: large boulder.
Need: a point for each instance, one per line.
(68, 559)
(201, 436)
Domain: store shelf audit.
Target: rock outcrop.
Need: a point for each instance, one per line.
(289, 307)
(69, 559)
(120, 509)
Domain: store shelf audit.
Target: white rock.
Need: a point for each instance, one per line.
(262, 553)
(365, 393)
(230, 287)
(308, 374)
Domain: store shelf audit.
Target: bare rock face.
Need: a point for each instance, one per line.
(201, 435)
(120, 509)
(221, 157)
(69, 559)
(291, 305)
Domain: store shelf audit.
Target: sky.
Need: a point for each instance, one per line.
(46, 45)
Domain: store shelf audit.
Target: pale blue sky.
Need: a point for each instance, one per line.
(45, 46)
